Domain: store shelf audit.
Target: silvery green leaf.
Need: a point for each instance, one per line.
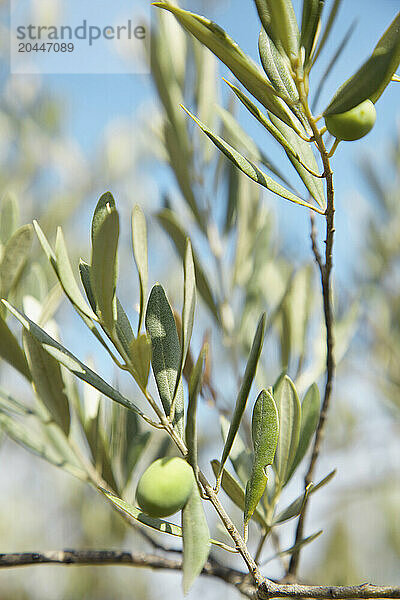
(279, 21)
(66, 358)
(9, 217)
(84, 271)
(161, 328)
(11, 351)
(277, 67)
(249, 374)
(14, 256)
(303, 149)
(48, 382)
(170, 223)
(195, 382)
(9, 404)
(139, 242)
(289, 411)
(249, 168)
(123, 327)
(265, 431)
(103, 271)
(104, 206)
(196, 539)
(310, 411)
(372, 78)
(244, 69)
(66, 277)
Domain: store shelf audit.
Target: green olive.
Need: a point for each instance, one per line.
(165, 487)
(352, 124)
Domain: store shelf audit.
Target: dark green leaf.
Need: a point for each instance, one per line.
(310, 23)
(48, 382)
(161, 328)
(196, 539)
(373, 76)
(244, 391)
(123, 327)
(140, 354)
(11, 351)
(139, 241)
(103, 271)
(265, 431)
(15, 254)
(240, 456)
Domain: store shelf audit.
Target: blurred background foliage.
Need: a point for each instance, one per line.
(249, 264)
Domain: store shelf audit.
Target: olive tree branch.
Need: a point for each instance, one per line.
(325, 269)
(266, 590)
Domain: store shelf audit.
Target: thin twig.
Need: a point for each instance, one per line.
(325, 270)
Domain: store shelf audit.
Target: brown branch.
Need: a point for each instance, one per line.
(265, 591)
(325, 274)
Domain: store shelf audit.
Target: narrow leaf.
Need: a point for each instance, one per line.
(178, 236)
(11, 351)
(328, 28)
(161, 328)
(243, 394)
(66, 277)
(240, 456)
(279, 19)
(191, 424)
(48, 382)
(15, 254)
(289, 411)
(139, 242)
(248, 167)
(123, 327)
(310, 23)
(265, 431)
(103, 272)
(295, 547)
(277, 67)
(196, 539)
(140, 354)
(373, 76)
(66, 358)
(310, 409)
(222, 45)
(9, 215)
(105, 204)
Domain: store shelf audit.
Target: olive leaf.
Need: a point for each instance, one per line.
(240, 456)
(178, 236)
(328, 28)
(277, 67)
(249, 374)
(11, 351)
(289, 410)
(222, 45)
(68, 360)
(310, 410)
(195, 383)
(166, 353)
(249, 168)
(103, 271)
(139, 242)
(310, 24)
(14, 256)
(123, 327)
(140, 354)
(196, 538)
(48, 382)
(265, 431)
(295, 547)
(370, 81)
(279, 20)
(189, 304)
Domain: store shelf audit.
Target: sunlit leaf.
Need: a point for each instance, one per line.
(240, 456)
(289, 411)
(9, 216)
(310, 23)
(279, 20)
(277, 67)
(140, 354)
(15, 254)
(310, 409)
(161, 328)
(139, 242)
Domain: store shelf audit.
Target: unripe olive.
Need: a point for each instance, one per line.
(354, 123)
(165, 487)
